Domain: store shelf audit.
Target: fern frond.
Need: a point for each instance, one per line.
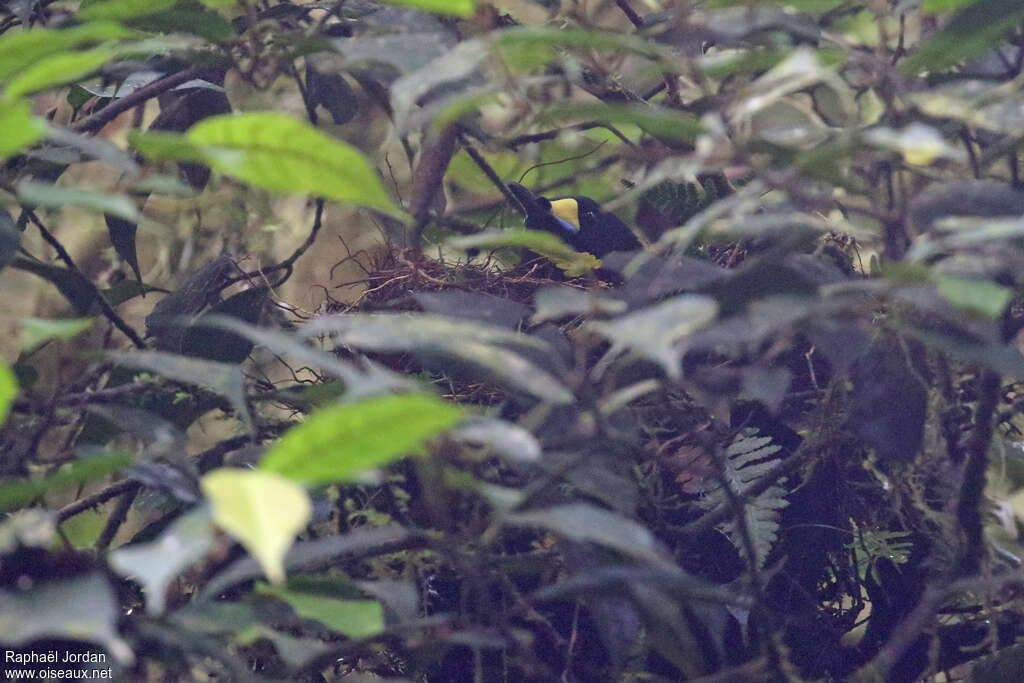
(745, 461)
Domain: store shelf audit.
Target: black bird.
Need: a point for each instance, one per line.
(579, 221)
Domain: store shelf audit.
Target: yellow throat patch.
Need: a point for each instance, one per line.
(568, 210)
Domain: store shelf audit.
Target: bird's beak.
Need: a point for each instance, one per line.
(528, 204)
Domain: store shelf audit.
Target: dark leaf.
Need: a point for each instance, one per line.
(75, 287)
(218, 344)
(220, 378)
(972, 30)
(487, 308)
(122, 237)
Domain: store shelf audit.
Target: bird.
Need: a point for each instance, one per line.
(579, 221)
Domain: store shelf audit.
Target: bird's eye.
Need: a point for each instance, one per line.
(587, 214)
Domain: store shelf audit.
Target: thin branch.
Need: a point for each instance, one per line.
(969, 507)
(62, 253)
(117, 517)
(93, 123)
(288, 264)
(96, 499)
(552, 134)
(630, 13)
(87, 397)
(491, 174)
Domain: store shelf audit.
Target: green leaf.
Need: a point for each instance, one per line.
(351, 618)
(8, 390)
(54, 196)
(19, 51)
(973, 30)
(572, 262)
(981, 297)
(261, 509)
(461, 8)
(527, 47)
(114, 10)
(35, 331)
(936, 6)
(282, 154)
(657, 121)
(22, 491)
(20, 128)
(57, 69)
(162, 145)
(344, 441)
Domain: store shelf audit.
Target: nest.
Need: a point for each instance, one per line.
(394, 275)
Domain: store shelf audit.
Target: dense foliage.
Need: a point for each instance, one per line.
(780, 442)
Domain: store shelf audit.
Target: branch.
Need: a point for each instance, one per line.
(968, 508)
(96, 499)
(288, 264)
(87, 397)
(62, 253)
(552, 134)
(630, 13)
(93, 123)
(491, 174)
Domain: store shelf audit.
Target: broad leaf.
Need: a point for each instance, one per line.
(561, 254)
(20, 128)
(21, 50)
(116, 10)
(463, 8)
(221, 378)
(480, 347)
(20, 492)
(35, 331)
(351, 618)
(657, 121)
(980, 297)
(156, 564)
(282, 154)
(972, 30)
(58, 69)
(54, 196)
(83, 608)
(8, 390)
(655, 333)
(263, 510)
(586, 522)
(341, 442)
